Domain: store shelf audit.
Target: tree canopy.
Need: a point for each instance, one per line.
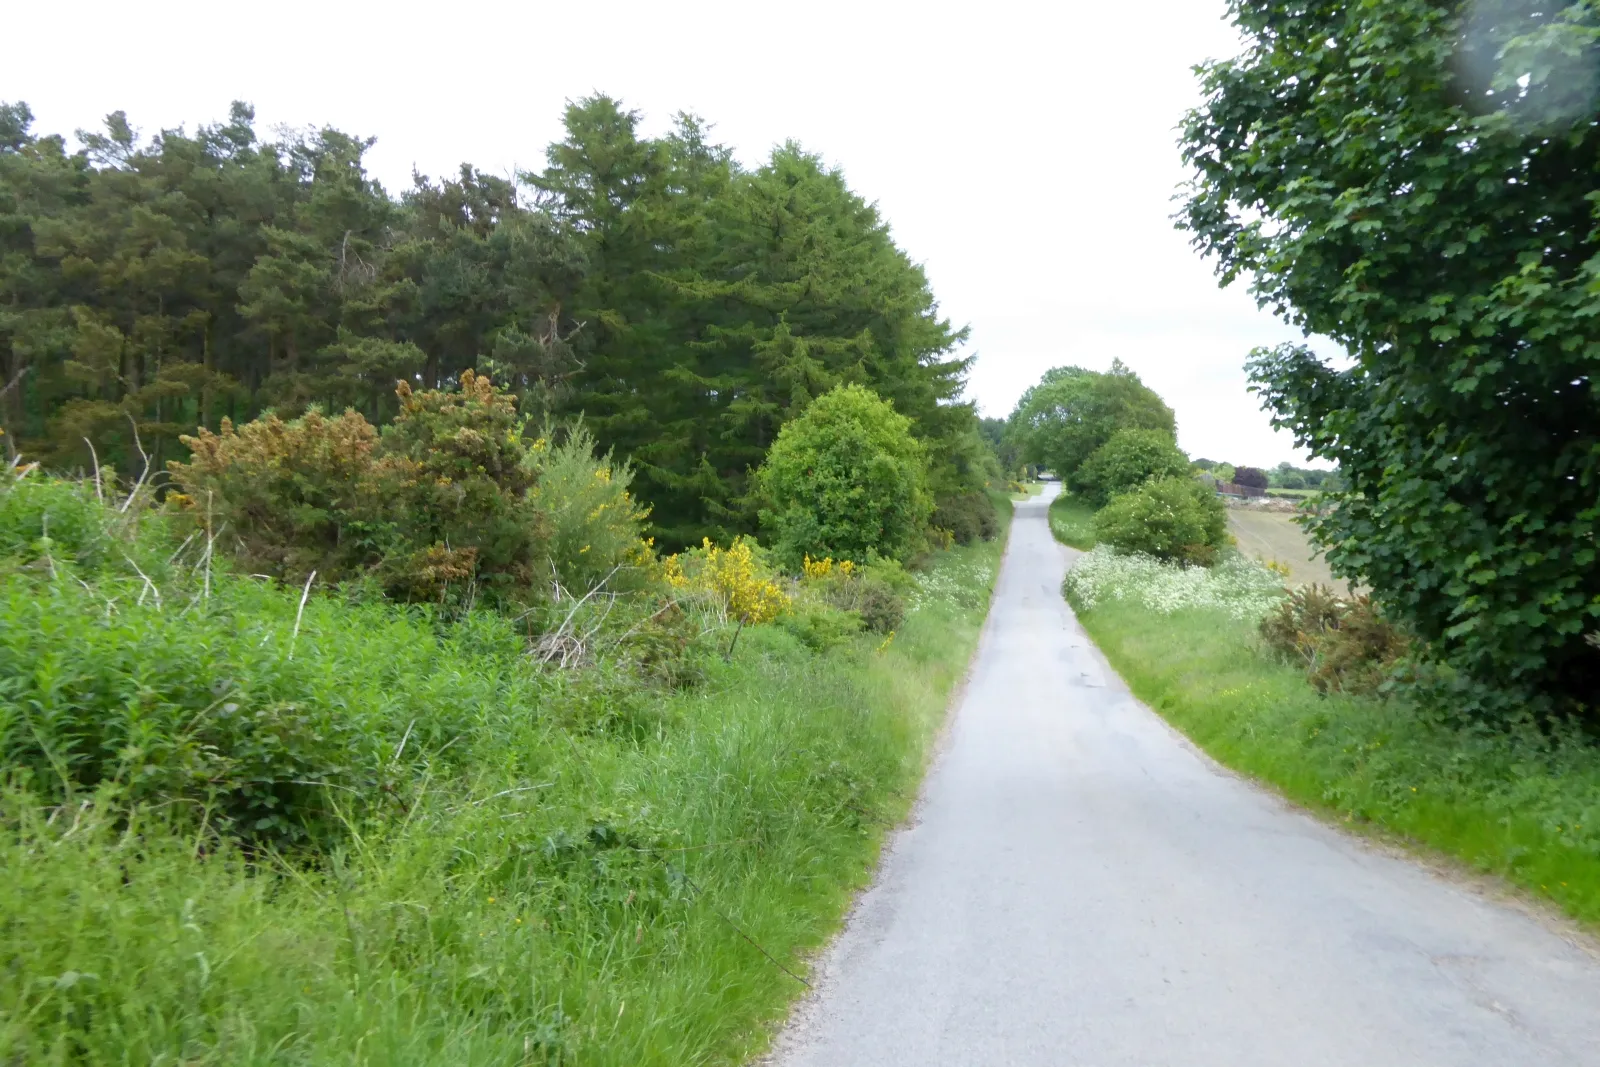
(1417, 180)
(685, 305)
(1061, 421)
(1129, 458)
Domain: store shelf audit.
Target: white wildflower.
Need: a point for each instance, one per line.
(1242, 587)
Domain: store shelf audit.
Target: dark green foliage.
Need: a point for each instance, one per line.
(1416, 180)
(724, 301)
(1174, 518)
(1344, 643)
(847, 481)
(1060, 422)
(1128, 459)
(1007, 452)
(969, 517)
(688, 306)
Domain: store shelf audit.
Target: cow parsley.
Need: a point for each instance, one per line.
(1242, 587)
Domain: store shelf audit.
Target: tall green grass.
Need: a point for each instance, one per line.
(1072, 521)
(580, 868)
(1522, 806)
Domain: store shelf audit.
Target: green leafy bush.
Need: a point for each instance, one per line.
(1128, 459)
(593, 524)
(50, 523)
(875, 593)
(1460, 275)
(820, 626)
(1175, 519)
(845, 480)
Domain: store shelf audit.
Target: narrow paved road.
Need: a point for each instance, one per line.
(1080, 887)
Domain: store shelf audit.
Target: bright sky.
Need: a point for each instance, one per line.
(1024, 152)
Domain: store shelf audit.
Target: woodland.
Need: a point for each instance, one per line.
(684, 305)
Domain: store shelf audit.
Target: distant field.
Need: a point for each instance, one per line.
(1274, 535)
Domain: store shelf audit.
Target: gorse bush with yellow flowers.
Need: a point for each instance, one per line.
(736, 581)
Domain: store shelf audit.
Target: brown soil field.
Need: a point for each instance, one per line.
(1274, 535)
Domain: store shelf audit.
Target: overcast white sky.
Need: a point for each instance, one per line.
(1024, 152)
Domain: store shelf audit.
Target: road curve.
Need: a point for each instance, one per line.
(1080, 887)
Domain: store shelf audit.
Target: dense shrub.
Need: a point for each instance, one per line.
(592, 522)
(450, 503)
(845, 480)
(737, 581)
(453, 463)
(1344, 643)
(1126, 461)
(1251, 477)
(1175, 519)
(289, 497)
(967, 518)
(819, 625)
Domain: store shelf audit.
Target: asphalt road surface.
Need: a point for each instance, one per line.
(1080, 887)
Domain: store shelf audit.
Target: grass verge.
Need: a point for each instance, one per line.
(1526, 808)
(587, 880)
(1072, 522)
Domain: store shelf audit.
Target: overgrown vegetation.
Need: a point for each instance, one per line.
(246, 822)
(1344, 643)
